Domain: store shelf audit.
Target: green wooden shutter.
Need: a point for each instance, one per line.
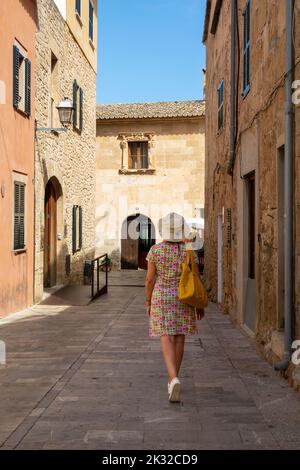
(16, 66)
(27, 87)
(246, 47)
(78, 7)
(91, 21)
(80, 227)
(22, 216)
(19, 216)
(75, 88)
(74, 241)
(220, 104)
(81, 110)
(16, 215)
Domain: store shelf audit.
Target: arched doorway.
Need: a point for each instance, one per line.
(137, 237)
(53, 193)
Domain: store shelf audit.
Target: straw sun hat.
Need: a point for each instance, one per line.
(173, 228)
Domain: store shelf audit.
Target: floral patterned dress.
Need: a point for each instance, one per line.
(169, 316)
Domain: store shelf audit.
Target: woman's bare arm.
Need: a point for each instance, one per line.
(150, 281)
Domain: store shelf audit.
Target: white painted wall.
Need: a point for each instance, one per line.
(62, 6)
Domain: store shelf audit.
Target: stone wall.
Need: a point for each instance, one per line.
(67, 157)
(297, 182)
(174, 183)
(261, 134)
(218, 190)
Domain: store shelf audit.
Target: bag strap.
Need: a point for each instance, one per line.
(190, 261)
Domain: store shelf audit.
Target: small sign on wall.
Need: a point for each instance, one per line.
(2, 353)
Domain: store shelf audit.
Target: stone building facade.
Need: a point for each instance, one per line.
(245, 217)
(65, 161)
(17, 115)
(150, 161)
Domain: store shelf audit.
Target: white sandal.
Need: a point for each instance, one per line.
(174, 389)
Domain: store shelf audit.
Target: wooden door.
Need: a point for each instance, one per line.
(129, 247)
(250, 302)
(50, 251)
(146, 240)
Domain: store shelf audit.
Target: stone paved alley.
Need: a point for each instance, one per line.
(89, 378)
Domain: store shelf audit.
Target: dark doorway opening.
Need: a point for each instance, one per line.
(251, 226)
(250, 237)
(137, 237)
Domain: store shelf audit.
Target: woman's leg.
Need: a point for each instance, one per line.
(179, 350)
(169, 353)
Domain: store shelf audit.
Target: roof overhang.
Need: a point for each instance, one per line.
(207, 19)
(215, 18)
(154, 120)
(172, 110)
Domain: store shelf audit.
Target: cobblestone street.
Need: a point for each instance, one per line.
(90, 378)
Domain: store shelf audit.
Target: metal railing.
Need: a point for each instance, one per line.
(98, 290)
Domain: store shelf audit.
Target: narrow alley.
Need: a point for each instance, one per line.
(90, 378)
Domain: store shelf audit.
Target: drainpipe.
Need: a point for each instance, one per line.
(289, 193)
(230, 163)
(34, 209)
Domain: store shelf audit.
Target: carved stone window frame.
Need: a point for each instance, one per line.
(125, 138)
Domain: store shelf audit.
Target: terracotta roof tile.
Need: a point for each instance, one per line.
(168, 109)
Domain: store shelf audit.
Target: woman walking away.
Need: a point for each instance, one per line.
(170, 319)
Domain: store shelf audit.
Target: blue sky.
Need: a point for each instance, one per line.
(150, 50)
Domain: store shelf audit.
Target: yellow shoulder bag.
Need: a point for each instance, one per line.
(191, 289)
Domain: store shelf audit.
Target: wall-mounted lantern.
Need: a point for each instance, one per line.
(65, 111)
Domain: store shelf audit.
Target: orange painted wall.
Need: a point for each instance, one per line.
(17, 21)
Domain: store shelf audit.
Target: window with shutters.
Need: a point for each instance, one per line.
(220, 105)
(21, 80)
(91, 20)
(78, 7)
(138, 155)
(19, 215)
(78, 98)
(199, 212)
(246, 49)
(229, 228)
(76, 229)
